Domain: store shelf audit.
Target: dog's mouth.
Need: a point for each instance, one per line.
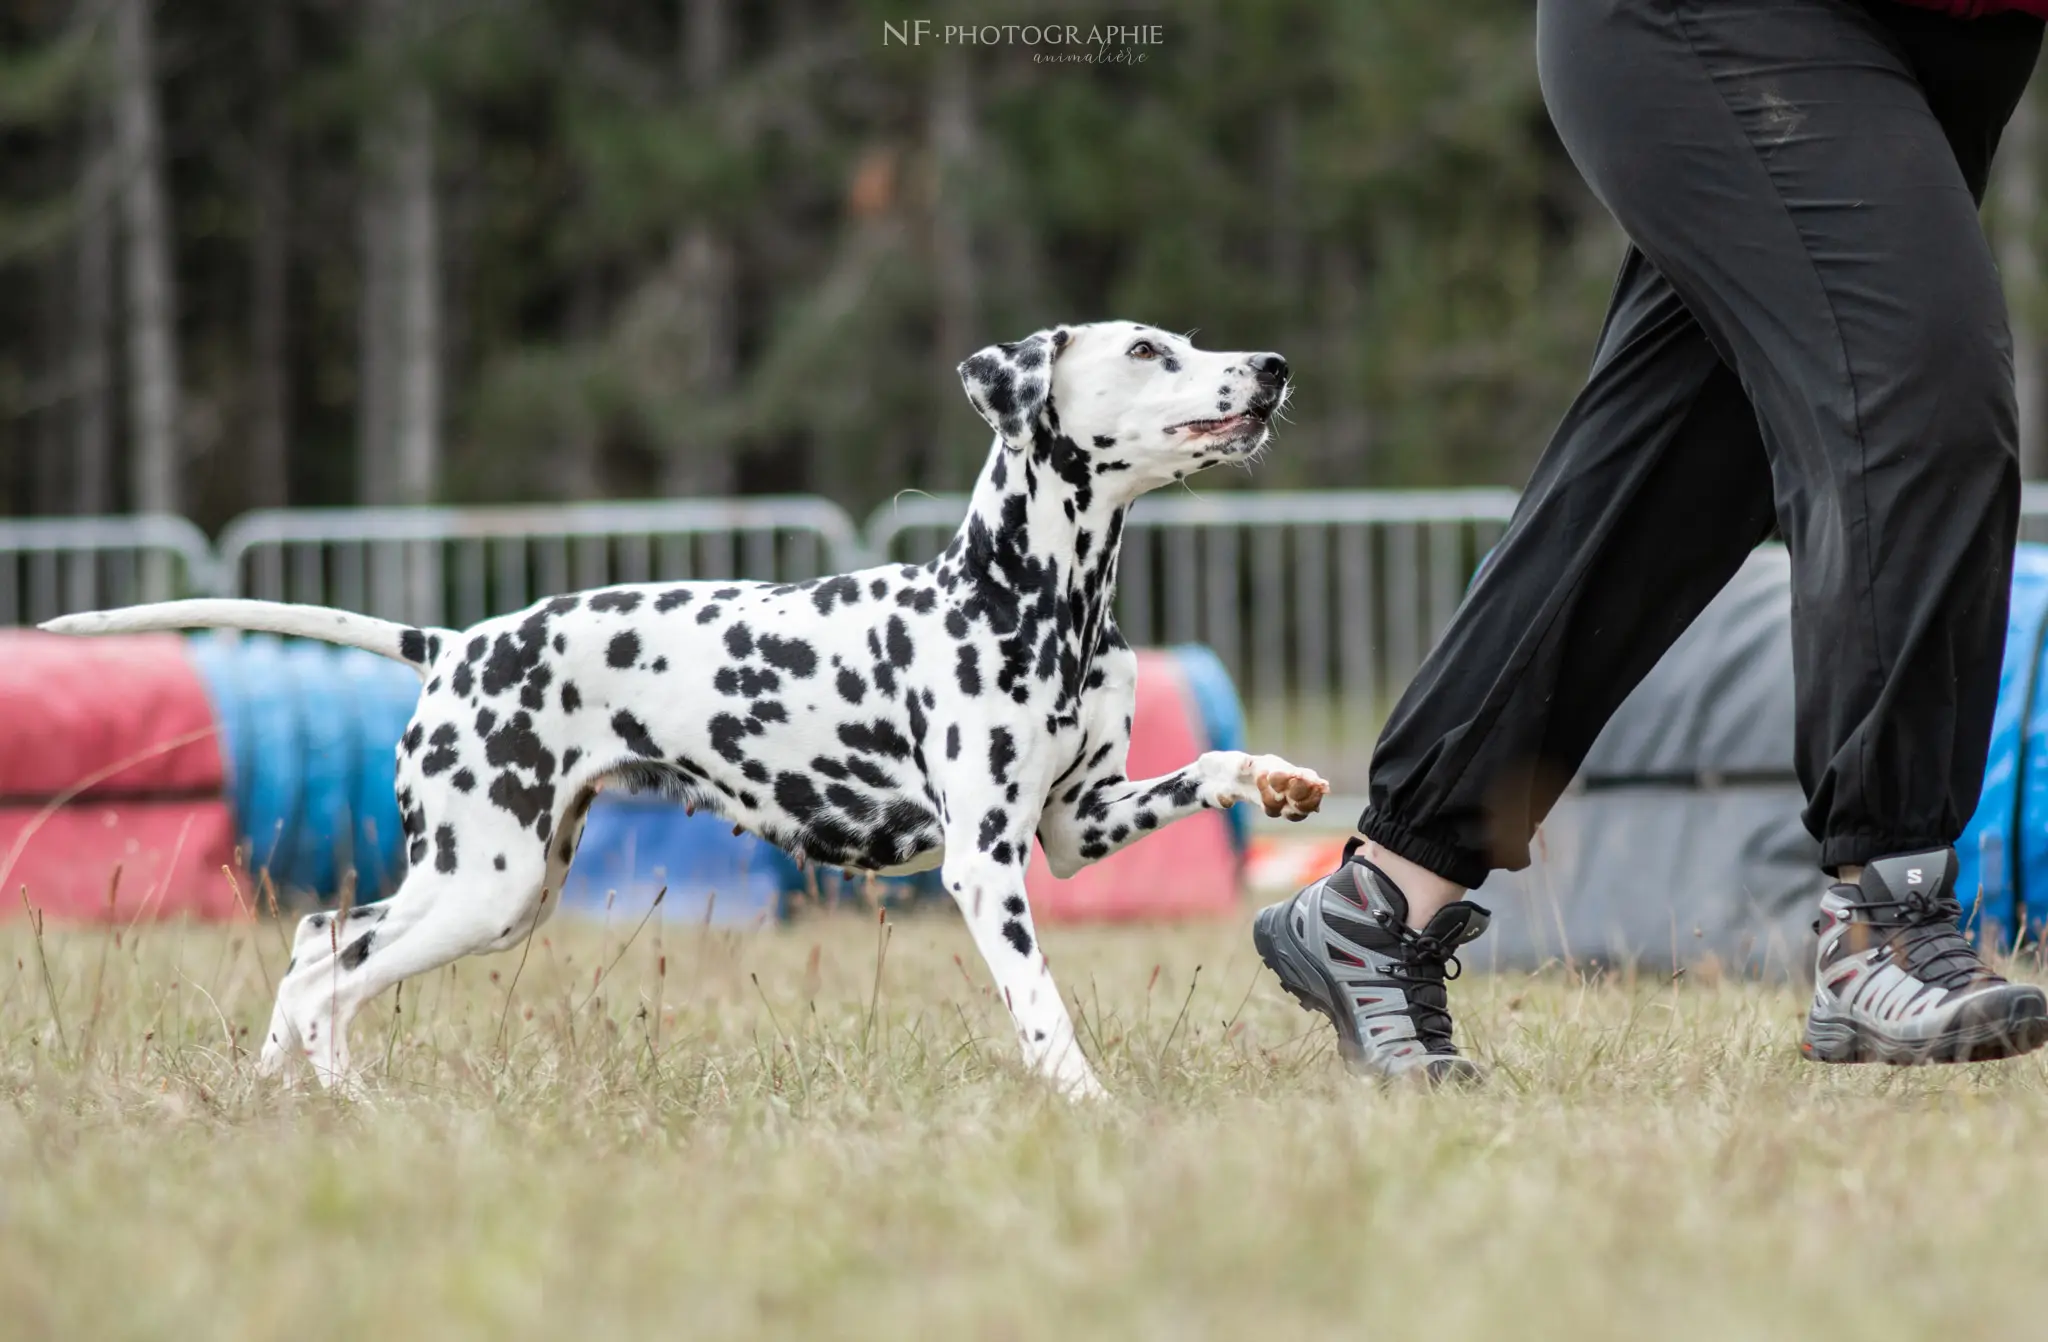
(1247, 426)
(1252, 419)
(1249, 422)
(1206, 428)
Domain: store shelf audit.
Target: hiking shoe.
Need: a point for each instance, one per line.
(1343, 947)
(1897, 981)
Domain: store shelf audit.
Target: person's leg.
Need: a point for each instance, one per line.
(1845, 276)
(1839, 152)
(1651, 493)
(1902, 759)
(1646, 501)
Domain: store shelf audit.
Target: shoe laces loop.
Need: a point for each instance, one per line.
(1924, 906)
(1423, 950)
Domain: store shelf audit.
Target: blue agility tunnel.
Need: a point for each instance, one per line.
(309, 733)
(635, 846)
(2004, 852)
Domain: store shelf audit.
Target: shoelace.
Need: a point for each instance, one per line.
(1427, 963)
(1933, 949)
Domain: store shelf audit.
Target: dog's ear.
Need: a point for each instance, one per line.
(1010, 385)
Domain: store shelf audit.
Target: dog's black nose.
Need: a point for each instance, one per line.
(1270, 369)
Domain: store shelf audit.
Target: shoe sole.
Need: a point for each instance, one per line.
(2016, 1026)
(1314, 991)
(1297, 970)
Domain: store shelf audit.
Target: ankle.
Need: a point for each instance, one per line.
(1425, 891)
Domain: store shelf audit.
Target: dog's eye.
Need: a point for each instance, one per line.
(1144, 349)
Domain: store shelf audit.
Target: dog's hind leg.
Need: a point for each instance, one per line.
(435, 918)
(987, 881)
(319, 938)
(458, 905)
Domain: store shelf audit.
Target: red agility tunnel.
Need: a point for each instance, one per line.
(1187, 869)
(109, 757)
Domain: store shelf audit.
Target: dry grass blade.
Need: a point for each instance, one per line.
(242, 904)
(99, 973)
(504, 1016)
(882, 933)
(35, 923)
(606, 972)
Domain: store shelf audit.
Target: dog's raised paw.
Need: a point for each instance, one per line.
(1288, 791)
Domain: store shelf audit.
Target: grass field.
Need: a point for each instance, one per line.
(789, 1133)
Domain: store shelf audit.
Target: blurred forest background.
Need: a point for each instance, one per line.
(334, 251)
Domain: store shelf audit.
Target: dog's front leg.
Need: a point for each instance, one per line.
(1088, 820)
(984, 872)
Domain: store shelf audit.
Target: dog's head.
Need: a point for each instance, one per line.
(1145, 404)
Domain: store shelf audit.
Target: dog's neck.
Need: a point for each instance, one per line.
(1040, 526)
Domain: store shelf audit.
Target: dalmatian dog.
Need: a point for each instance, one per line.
(888, 720)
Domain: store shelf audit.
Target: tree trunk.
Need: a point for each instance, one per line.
(374, 361)
(399, 424)
(399, 413)
(705, 262)
(93, 326)
(373, 340)
(2019, 197)
(50, 389)
(269, 461)
(575, 470)
(1345, 451)
(1286, 251)
(152, 305)
(949, 128)
(704, 45)
(416, 418)
(706, 270)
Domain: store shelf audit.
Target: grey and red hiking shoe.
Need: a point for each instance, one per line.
(1897, 981)
(1343, 947)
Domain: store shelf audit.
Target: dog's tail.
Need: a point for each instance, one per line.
(417, 648)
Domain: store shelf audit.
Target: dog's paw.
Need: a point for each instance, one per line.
(275, 1056)
(1287, 791)
(1085, 1093)
(1078, 1085)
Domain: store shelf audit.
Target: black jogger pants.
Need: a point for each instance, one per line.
(1808, 326)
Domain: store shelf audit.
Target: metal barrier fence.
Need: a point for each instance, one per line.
(455, 566)
(50, 566)
(1321, 604)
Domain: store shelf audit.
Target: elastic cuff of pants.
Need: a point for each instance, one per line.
(1460, 866)
(1860, 850)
